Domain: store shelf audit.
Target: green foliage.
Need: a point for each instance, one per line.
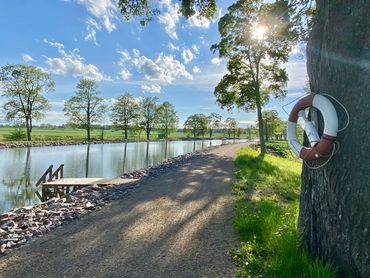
(147, 9)
(214, 121)
(230, 125)
(274, 126)
(125, 112)
(17, 134)
(86, 107)
(148, 113)
(197, 124)
(167, 118)
(255, 41)
(22, 86)
(281, 148)
(266, 220)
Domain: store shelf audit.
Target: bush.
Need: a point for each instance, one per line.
(16, 135)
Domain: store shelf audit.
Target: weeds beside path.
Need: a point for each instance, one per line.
(267, 193)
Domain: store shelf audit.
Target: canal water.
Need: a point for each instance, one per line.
(20, 168)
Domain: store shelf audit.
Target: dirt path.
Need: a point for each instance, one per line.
(174, 225)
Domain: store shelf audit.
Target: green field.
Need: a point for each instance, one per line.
(267, 200)
(71, 135)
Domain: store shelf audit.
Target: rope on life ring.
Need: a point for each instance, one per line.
(320, 146)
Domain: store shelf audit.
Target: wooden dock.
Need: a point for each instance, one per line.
(81, 182)
(55, 185)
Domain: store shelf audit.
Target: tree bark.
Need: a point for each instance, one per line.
(28, 129)
(260, 128)
(126, 127)
(335, 200)
(88, 133)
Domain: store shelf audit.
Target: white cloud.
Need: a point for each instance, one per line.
(125, 56)
(196, 70)
(195, 48)
(91, 28)
(199, 21)
(125, 74)
(105, 11)
(170, 17)
(153, 89)
(27, 58)
(172, 47)
(165, 68)
(216, 61)
(72, 63)
(54, 44)
(187, 55)
(53, 117)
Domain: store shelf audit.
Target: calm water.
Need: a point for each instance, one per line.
(21, 168)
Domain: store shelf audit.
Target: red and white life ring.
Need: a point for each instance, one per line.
(322, 146)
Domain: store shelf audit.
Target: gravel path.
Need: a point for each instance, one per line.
(175, 225)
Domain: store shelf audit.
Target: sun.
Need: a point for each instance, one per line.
(259, 32)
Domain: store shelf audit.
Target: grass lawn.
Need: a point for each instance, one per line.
(70, 134)
(267, 200)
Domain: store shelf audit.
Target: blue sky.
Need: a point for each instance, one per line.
(170, 58)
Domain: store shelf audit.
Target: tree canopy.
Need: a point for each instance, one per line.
(23, 85)
(256, 40)
(147, 9)
(197, 124)
(125, 111)
(167, 118)
(86, 107)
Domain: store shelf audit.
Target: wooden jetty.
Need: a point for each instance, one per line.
(55, 185)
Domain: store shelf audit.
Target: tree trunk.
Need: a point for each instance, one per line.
(335, 200)
(88, 133)
(126, 132)
(260, 128)
(28, 129)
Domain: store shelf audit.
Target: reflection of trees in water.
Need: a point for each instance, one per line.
(147, 155)
(21, 192)
(87, 161)
(124, 157)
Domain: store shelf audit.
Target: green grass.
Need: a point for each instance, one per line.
(281, 148)
(71, 135)
(267, 192)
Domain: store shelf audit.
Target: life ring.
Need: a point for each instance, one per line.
(320, 147)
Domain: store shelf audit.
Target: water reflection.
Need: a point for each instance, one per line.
(21, 168)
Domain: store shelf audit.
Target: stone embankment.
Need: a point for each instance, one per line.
(12, 145)
(20, 225)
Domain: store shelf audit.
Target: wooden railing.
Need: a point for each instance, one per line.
(58, 174)
(44, 178)
(49, 175)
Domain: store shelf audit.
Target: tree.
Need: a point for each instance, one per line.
(146, 9)
(197, 124)
(272, 124)
(214, 121)
(167, 118)
(335, 199)
(125, 111)
(149, 113)
(255, 40)
(23, 85)
(230, 125)
(86, 107)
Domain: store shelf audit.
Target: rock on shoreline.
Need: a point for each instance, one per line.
(19, 226)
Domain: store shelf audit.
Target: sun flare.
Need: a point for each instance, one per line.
(259, 32)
